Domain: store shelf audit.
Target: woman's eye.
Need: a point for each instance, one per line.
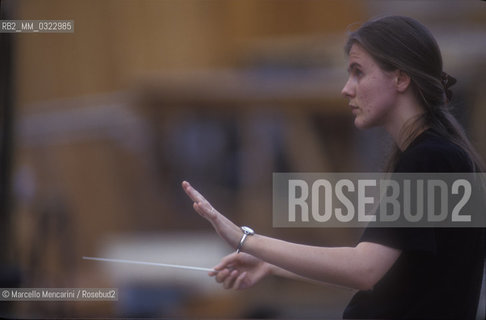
(358, 73)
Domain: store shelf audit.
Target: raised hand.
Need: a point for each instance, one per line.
(226, 229)
(240, 271)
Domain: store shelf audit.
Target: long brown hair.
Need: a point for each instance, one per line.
(403, 43)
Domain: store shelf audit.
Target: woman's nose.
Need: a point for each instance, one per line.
(347, 89)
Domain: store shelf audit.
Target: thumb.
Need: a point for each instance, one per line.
(227, 262)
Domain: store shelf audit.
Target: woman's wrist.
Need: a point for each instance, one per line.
(247, 232)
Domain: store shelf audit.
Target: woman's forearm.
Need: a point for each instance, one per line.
(359, 267)
(280, 272)
(354, 267)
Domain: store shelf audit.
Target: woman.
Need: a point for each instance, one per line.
(395, 81)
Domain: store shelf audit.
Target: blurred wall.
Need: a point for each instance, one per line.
(116, 42)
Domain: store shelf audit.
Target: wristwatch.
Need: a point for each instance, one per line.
(247, 231)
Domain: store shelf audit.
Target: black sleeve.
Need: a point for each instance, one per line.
(431, 155)
(405, 239)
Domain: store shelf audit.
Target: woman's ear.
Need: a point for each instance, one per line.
(402, 81)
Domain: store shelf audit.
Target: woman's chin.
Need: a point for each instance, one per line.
(360, 124)
(363, 123)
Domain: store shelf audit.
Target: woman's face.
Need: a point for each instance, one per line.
(371, 91)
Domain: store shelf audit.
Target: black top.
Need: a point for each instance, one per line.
(438, 274)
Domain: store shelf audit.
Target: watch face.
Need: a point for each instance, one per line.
(247, 230)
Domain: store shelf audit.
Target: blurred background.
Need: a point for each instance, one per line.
(100, 126)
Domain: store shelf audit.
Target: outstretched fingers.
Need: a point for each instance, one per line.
(192, 193)
(201, 205)
(223, 226)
